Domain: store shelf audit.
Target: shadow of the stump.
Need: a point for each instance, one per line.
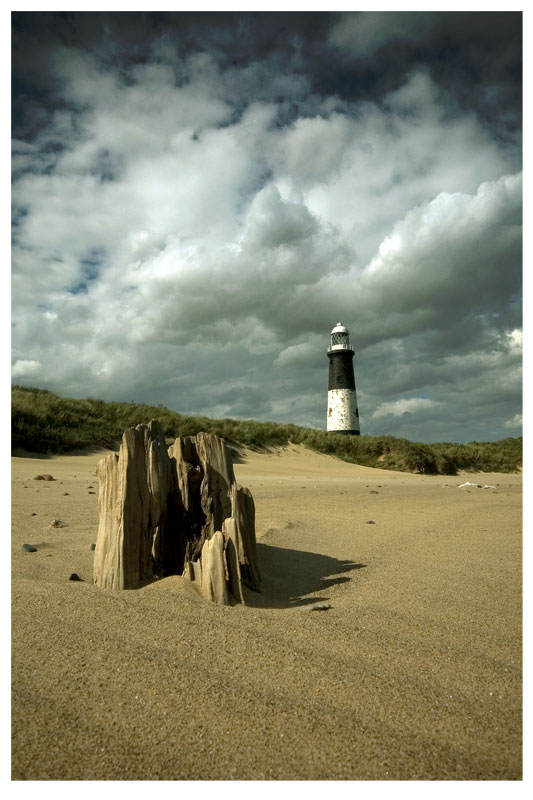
(289, 574)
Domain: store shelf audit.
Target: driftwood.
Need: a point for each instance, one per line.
(175, 512)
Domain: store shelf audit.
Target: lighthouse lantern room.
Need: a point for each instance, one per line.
(343, 414)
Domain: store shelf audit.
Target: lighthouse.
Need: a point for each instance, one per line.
(343, 415)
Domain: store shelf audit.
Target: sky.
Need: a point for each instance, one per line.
(198, 198)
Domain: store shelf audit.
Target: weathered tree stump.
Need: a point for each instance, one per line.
(175, 512)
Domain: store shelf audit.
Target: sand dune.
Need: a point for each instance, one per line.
(413, 673)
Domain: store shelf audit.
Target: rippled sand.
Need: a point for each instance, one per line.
(413, 673)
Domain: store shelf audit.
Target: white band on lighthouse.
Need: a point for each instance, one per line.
(342, 410)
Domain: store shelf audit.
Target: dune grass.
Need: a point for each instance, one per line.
(43, 422)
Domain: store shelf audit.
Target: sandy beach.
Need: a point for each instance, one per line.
(412, 673)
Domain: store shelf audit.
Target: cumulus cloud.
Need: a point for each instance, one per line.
(22, 367)
(407, 405)
(363, 33)
(187, 232)
(459, 254)
(313, 148)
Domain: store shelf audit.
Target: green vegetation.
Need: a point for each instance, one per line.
(43, 422)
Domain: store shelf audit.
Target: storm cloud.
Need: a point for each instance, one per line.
(199, 198)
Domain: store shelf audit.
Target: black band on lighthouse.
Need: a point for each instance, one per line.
(341, 375)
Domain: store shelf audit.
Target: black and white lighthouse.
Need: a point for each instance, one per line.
(343, 415)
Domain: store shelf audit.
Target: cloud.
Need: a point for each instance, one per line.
(514, 341)
(304, 355)
(22, 367)
(390, 158)
(515, 422)
(274, 223)
(457, 255)
(408, 405)
(313, 148)
(362, 34)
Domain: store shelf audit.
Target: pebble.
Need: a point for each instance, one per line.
(28, 548)
(33, 514)
(93, 547)
(44, 478)
(74, 577)
(56, 523)
(65, 494)
(91, 492)
(373, 491)
(370, 522)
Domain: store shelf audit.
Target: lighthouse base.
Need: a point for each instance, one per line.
(350, 433)
(343, 416)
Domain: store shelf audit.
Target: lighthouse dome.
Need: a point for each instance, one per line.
(340, 328)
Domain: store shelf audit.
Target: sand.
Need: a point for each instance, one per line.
(413, 673)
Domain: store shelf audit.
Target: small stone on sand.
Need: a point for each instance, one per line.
(74, 577)
(43, 478)
(317, 607)
(28, 548)
(56, 523)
